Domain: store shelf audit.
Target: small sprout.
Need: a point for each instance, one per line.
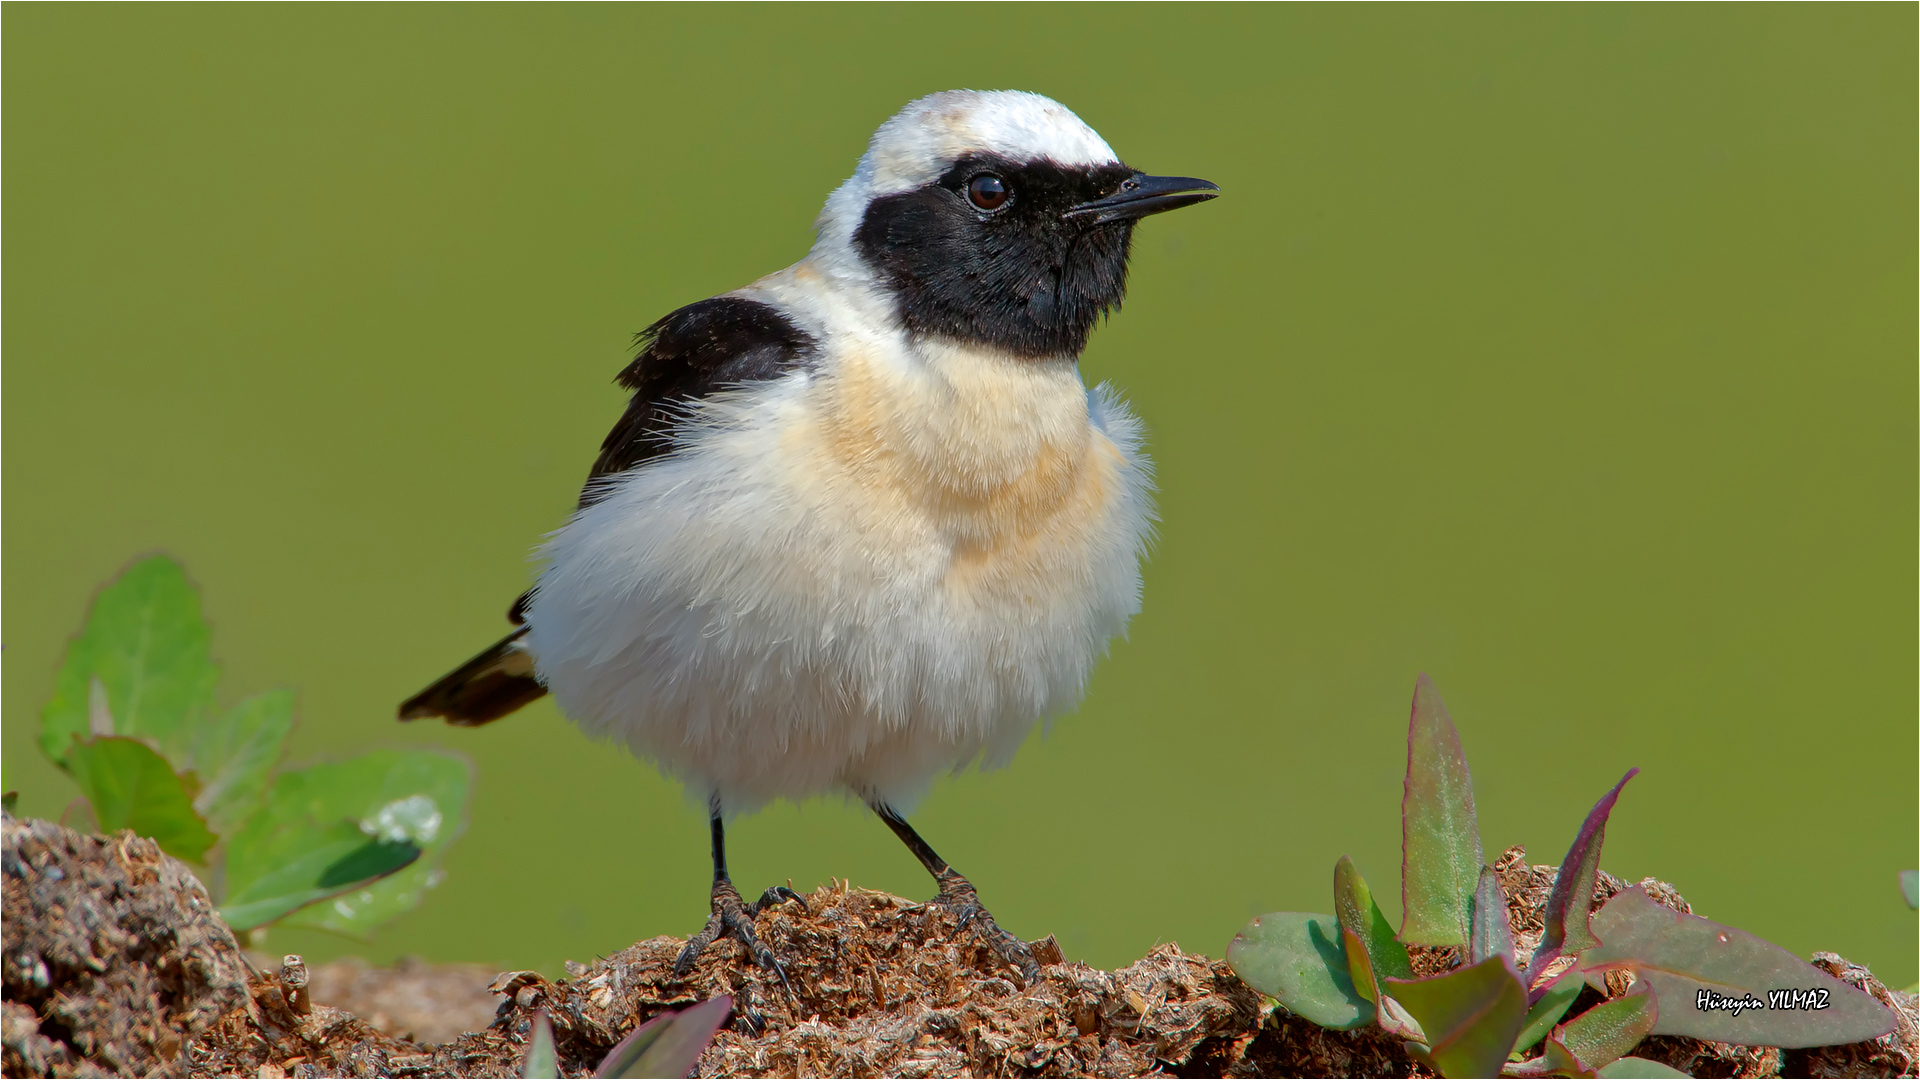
(134, 721)
(1440, 847)
(669, 1044)
(1910, 887)
(543, 1060)
(1473, 1020)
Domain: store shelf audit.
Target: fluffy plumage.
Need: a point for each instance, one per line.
(894, 529)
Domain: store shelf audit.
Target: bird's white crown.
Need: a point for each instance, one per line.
(923, 140)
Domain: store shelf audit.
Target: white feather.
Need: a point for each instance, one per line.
(864, 574)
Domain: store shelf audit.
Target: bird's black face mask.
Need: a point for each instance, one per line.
(1024, 257)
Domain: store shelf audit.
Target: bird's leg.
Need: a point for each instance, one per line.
(732, 918)
(958, 895)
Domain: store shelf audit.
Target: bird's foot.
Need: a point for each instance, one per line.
(958, 896)
(734, 919)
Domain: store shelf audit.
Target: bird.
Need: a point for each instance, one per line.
(863, 522)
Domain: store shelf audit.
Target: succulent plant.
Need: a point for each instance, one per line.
(1488, 1014)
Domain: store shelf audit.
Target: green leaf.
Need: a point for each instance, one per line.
(1296, 958)
(131, 787)
(669, 1044)
(1471, 1015)
(1354, 905)
(1606, 1032)
(1547, 1011)
(1695, 964)
(145, 645)
(1633, 1068)
(276, 866)
(234, 758)
(1492, 934)
(417, 795)
(543, 1060)
(1440, 845)
(1910, 887)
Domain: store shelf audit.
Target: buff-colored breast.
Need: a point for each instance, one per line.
(994, 458)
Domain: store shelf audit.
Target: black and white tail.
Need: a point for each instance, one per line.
(483, 689)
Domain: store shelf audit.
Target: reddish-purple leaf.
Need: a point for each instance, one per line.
(669, 1044)
(1492, 934)
(1470, 1015)
(1718, 983)
(1571, 901)
(1440, 838)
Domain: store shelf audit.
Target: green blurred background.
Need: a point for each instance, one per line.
(1564, 352)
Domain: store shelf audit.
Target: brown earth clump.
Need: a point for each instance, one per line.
(114, 955)
(878, 986)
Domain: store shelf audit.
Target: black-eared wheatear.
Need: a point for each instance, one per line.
(862, 522)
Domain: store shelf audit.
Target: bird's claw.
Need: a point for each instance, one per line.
(958, 896)
(734, 919)
(778, 894)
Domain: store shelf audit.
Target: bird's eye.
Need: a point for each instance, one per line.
(987, 191)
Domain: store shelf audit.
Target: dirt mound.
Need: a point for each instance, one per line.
(114, 955)
(878, 986)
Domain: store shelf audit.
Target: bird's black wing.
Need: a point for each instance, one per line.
(697, 350)
(691, 353)
(701, 348)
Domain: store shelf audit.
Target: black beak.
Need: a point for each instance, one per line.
(1141, 195)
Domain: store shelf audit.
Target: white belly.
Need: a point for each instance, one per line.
(856, 578)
